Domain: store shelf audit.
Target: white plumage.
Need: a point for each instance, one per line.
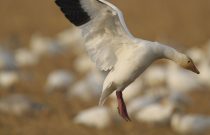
(99, 117)
(155, 76)
(113, 48)
(180, 80)
(24, 57)
(9, 79)
(59, 79)
(107, 23)
(191, 124)
(155, 113)
(70, 38)
(19, 104)
(83, 64)
(139, 103)
(44, 45)
(89, 87)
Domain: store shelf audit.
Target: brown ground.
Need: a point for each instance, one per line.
(185, 22)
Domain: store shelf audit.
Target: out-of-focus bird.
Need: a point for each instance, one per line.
(9, 78)
(208, 50)
(7, 61)
(204, 77)
(83, 65)
(89, 87)
(95, 80)
(113, 48)
(190, 124)
(59, 79)
(19, 104)
(179, 80)
(70, 38)
(155, 76)
(81, 90)
(40, 45)
(196, 54)
(201, 59)
(156, 113)
(99, 117)
(141, 102)
(24, 57)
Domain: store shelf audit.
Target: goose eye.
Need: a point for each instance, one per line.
(188, 61)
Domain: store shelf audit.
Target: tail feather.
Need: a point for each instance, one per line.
(105, 93)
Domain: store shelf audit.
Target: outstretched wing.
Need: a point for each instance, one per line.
(103, 28)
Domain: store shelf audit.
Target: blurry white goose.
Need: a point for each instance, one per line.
(200, 58)
(99, 117)
(40, 45)
(208, 49)
(88, 88)
(70, 38)
(19, 104)
(190, 124)
(9, 78)
(59, 79)
(113, 48)
(25, 57)
(83, 65)
(205, 74)
(156, 113)
(196, 54)
(155, 76)
(7, 61)
(179, 80)
(141, 102)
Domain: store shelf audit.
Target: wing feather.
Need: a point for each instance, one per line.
(103, 34)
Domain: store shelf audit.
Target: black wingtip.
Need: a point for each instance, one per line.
(73, 11)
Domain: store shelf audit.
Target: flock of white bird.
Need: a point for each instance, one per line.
(158, 97)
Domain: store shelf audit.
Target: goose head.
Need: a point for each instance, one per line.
(187, 63)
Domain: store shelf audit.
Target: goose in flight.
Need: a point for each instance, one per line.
(113, 48)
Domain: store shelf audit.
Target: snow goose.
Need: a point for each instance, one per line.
(83, 65)
(89, 87)
(205, 72)
(199, 56)
(81, 90)
(208, 49)
(8, 79)
(25, 58)
(18, 104)
(40, 45)
(113, 48)
(179, 80)
(161, 108)
(190, 124)
(155, 76)
(196, 54)
(156, 113)
(70, 38)
(7, 61)
(141, 102)
(99, 117)
(59, 79)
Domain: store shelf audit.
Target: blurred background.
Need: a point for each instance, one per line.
(48, 85)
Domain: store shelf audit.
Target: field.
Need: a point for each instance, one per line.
(182, 24)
